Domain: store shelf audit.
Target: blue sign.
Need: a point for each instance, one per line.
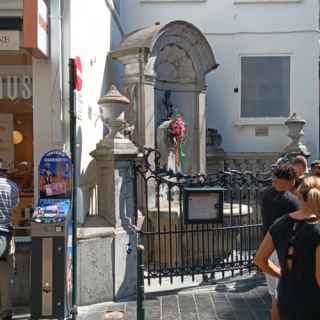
(55, 175)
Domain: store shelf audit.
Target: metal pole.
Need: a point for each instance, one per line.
(74, 193)
(140, 283)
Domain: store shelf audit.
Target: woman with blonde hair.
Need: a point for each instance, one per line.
(296, 238)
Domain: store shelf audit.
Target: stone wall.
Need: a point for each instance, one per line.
(242, 161)
(95, 260)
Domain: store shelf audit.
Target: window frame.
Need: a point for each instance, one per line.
(242, 121)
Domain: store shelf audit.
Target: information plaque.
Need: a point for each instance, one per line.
(203, 205)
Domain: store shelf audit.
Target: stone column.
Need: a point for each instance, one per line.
(202, 130)
(116, 206)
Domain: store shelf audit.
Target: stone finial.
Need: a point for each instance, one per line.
(113, 107)
(113, 96)
(295, 126)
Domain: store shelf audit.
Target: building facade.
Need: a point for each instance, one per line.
(267, 51)
(37, 39)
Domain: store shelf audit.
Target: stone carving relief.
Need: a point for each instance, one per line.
(174, 65)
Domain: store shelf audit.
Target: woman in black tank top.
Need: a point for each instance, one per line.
(296, 238)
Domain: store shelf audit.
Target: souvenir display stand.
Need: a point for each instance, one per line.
(51, 233)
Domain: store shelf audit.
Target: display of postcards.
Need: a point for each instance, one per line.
(56, 188)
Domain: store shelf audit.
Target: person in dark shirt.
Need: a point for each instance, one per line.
(296, 238)
(277, 201)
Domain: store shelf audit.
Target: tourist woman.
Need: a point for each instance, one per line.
(296, 238)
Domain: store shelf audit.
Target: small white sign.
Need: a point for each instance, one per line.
(9, 40)
(43, 40)
(203, 206)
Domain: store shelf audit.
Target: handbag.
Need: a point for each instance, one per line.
(5, 240)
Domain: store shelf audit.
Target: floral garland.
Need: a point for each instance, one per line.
(178, 130)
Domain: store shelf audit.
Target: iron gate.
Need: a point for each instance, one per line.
(176, 249)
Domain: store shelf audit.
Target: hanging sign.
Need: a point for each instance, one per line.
(36, 27)
(55, 175)
(9, 40)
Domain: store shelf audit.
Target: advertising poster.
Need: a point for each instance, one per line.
(55, 175)
(69, 271)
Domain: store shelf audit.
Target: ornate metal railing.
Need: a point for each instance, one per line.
(174, 248)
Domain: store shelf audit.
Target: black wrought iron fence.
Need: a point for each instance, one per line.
(174, 248)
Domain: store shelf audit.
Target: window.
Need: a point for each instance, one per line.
(265, 87)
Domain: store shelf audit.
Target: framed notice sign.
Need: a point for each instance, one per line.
(203, 205)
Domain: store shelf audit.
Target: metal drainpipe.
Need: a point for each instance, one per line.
(73, 128)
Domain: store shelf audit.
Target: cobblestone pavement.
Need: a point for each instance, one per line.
(243, 298)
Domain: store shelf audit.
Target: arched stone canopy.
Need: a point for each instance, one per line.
(179, 46)
(172, 58)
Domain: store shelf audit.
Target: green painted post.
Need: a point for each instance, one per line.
(140, 283)
(73, 128)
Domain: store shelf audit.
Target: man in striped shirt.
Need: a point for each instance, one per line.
(9, 198)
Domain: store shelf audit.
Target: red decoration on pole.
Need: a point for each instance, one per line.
(78, 73)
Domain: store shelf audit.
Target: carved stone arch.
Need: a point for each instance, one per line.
(184, 40)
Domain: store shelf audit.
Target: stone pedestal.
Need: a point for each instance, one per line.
(116, 206)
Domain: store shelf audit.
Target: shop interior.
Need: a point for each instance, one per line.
(16, 133)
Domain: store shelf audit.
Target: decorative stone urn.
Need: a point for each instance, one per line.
(113, 108)
(295, 126)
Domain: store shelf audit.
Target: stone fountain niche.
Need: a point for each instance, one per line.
(164, 71)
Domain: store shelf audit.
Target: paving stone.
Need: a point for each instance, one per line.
(170, 308)
(152, 309)
(264, 294)
(223, 307)
(253, 301)
(131, 311)
(236, 301)
(95, 316)
(205, 307)
(187, 307)
(261, 314)
(116, 307)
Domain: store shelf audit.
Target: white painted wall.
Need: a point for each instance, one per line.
(233, 30)
(93, 33)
